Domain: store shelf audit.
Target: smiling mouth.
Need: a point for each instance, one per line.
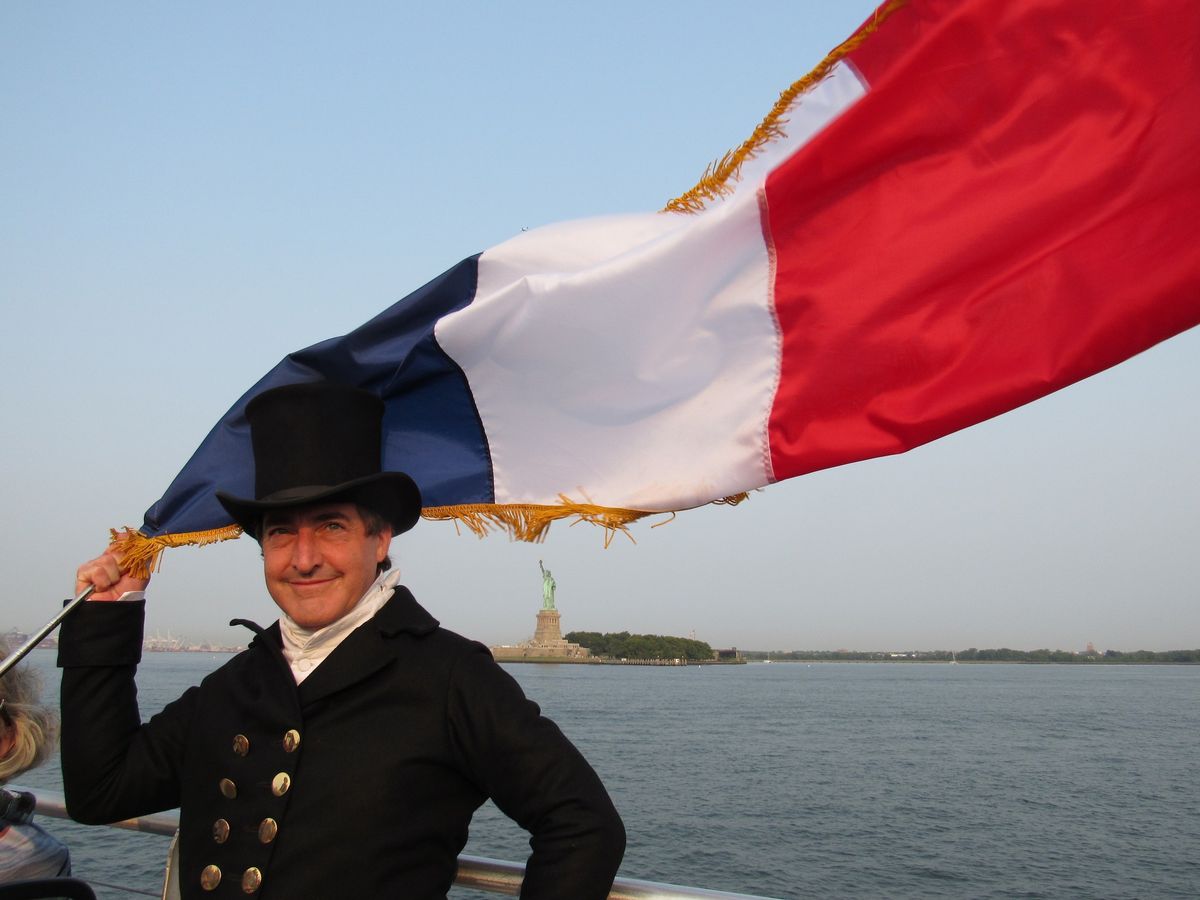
(311, 582)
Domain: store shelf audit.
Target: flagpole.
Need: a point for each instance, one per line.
(21, 652)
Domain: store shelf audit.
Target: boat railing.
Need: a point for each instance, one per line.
(495, 876)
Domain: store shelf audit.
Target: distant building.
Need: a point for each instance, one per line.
(160, 644)
(15, 638)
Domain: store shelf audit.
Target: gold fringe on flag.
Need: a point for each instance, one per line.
(531, 521)
(719, 177)
(140, 554)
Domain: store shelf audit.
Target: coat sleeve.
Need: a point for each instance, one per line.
(114, 766)
(539, 779)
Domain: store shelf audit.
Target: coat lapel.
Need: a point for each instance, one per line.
(369, 647)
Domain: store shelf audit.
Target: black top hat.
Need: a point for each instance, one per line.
(321, 442)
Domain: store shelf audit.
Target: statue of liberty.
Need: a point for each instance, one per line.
(548, 587)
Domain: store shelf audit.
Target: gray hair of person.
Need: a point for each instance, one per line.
(374, 523)
(35, 728)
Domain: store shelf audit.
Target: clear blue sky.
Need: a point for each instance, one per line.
(191, 192)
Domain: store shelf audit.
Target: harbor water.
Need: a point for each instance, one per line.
(838, 779)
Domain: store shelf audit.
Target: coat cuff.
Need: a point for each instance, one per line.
(102, 633)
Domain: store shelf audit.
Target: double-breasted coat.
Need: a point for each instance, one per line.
(359, 782)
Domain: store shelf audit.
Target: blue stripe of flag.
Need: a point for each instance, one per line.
(432, 428)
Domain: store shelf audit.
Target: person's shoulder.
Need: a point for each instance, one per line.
(404, 615)
(451, 643)
(461, 645)
(239, 661)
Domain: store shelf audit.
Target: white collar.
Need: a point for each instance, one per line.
(306, 648)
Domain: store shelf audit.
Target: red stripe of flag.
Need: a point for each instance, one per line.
(1011, 208)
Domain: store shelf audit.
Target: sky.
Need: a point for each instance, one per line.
(191, 192)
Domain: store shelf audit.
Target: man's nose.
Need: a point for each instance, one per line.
(306, 552)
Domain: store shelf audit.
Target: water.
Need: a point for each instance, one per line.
(844, 779)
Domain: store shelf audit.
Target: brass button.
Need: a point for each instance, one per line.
(267, 829)
(228, 789)
(251, 880)
(280, 784)
(220, 831)
(210, 878)
(291, 740)
(241, 744)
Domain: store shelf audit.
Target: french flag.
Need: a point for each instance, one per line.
(968, 205)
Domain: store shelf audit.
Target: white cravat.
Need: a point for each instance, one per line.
(305, 649)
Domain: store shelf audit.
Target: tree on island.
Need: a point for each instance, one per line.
(623, 645)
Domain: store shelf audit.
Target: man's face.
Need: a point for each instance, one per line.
(319, 560)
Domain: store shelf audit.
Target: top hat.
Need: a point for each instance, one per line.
(321, 442)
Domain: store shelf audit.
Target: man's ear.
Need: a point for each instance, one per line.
(385, 541)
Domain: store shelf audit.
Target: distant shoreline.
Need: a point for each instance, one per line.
(1003, 654)
(550, 660)
(984, 662)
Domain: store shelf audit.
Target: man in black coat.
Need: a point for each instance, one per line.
(345, 751)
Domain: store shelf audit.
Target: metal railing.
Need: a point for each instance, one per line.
(495, 876)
